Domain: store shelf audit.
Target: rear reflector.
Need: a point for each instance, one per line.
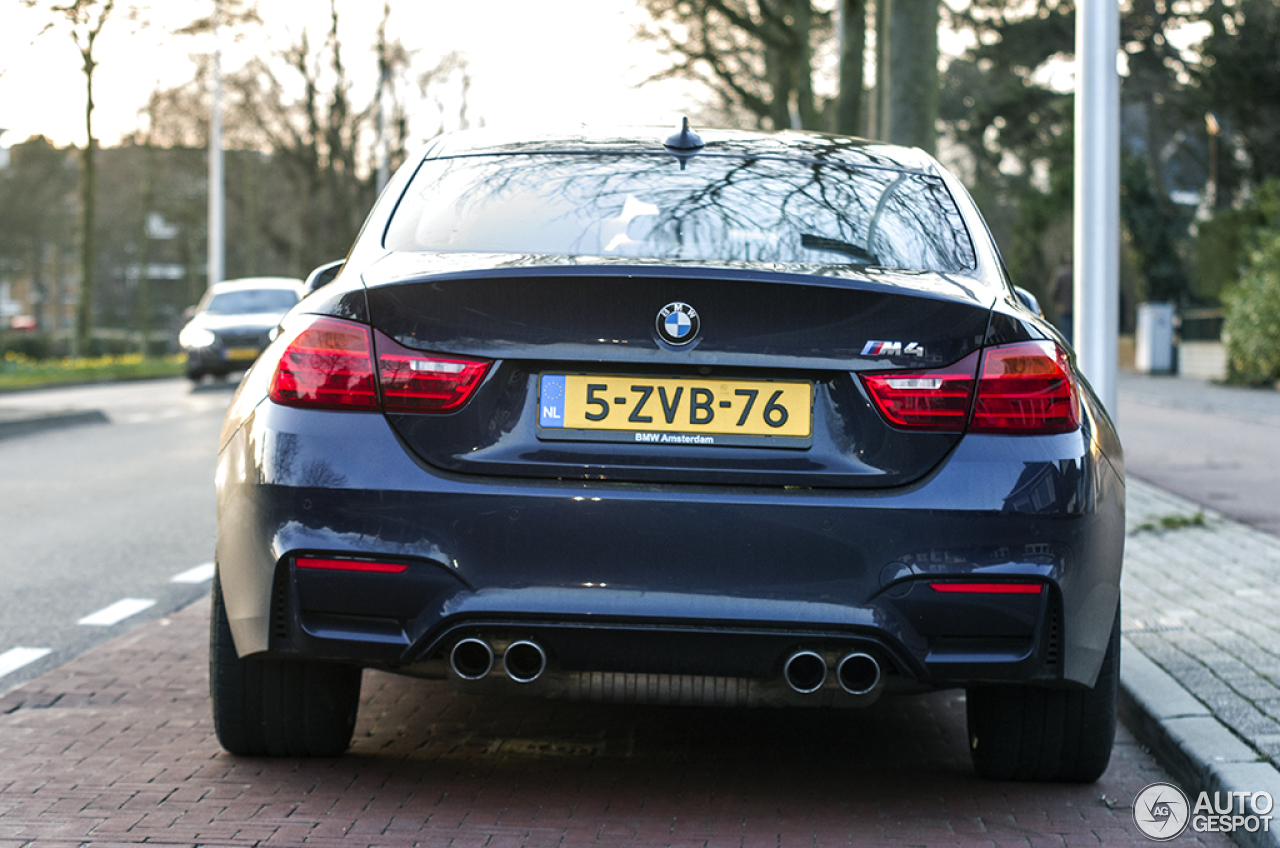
(413, 381)
(327, 366)
(989, 588)
(359, 565)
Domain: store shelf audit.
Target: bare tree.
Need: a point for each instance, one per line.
(755, 55)
(300, 109)
(84, 21)
(760, 59)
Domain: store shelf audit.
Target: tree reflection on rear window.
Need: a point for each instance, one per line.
(713, 208)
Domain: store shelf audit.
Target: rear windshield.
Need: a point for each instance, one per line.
(709, 207)
(250, 301)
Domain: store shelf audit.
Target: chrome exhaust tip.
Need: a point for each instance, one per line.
(524, 661)
(471, 658)
(858, 673)
(805, 671)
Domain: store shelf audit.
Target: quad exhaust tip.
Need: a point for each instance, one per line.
(858, 673)
(805, 671)
(524, 661)
(471, 658)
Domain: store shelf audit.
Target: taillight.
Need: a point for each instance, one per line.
(1023, 388)
(1027, 387)
(413, 381)
(331, 365)
(925, 400)
(327, 366)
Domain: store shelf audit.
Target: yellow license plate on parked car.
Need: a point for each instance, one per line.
(239, 354)
(675, 410)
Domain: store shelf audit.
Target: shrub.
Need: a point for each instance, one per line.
(29, 345)
(1223, 243)
(1252, 326)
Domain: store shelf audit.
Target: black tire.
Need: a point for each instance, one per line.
(278, 708)
(1031, 733)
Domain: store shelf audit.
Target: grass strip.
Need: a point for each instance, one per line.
(20, 372)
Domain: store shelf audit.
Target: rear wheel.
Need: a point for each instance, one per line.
(1032, 733)
(278, 708)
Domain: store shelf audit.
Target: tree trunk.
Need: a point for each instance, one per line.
(853, 43)
(880, 96)
(88, 195)
(802, 60)
(912, 66)
(778, 70)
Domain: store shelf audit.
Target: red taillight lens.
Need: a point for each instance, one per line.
(1027, 387)
(360, 565)
(925, 400)
(413, 381)
(330, 365)
(988, 588)
(327, 366)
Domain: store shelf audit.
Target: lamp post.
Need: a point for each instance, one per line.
(217, 250)
(1096, 251)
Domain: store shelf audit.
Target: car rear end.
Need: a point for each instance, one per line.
(682, 477)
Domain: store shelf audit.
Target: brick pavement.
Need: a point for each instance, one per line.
(1201, 595)
(116, 748)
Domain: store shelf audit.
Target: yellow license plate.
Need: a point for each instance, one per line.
(240, 353)
(663, 409)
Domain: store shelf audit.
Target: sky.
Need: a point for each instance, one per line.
(550, 63)
(534, 63)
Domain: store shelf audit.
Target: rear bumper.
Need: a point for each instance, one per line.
(691, 581)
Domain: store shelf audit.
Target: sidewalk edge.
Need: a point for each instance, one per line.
(51, 421)
(1200, 752)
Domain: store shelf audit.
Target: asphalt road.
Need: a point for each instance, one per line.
(1218, 446)
(96, 521)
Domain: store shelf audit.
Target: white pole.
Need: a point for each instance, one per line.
(217, 250)
(1096, 254)
(383, 151)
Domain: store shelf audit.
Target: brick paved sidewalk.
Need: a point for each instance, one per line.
(116, 748)
(1202, 601)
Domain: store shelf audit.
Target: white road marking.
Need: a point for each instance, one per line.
(149, 417)
(117, 612)
(200, 574)
(15, 658)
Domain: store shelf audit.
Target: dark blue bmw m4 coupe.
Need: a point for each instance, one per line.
(726, 418)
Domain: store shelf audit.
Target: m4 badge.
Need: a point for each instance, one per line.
(878, 348)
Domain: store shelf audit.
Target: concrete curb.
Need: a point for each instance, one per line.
(23, 424)
(1198, 750)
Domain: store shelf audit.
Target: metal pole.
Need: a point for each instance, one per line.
(382, 145)
(217, 249)
(1096, 254)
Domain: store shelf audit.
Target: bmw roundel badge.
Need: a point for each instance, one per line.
(677, 323)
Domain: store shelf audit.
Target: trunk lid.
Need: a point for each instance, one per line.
(776, 351)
